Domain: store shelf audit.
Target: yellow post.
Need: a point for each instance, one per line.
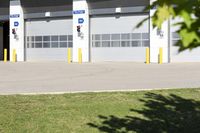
(69, 55)
(5, 55)
(14, 55)
(147, 55)
(161, 56)
(79, 55)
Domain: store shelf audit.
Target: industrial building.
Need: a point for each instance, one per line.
(105, 30)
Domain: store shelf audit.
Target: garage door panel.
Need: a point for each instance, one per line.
(124, 24)
(118, 54)
(48, 39)
(117, 39)
(185, 56)
(49, 27)
(42, 55)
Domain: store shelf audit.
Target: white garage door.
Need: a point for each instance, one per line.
(48, 39)
(115, 38)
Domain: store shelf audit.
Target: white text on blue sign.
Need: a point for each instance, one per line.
(14, 16)
(79, 12)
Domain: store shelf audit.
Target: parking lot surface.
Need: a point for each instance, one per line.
(61, 77)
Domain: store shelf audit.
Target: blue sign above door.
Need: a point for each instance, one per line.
(14, 16)
(79, 12)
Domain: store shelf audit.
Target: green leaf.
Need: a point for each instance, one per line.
(188, 10)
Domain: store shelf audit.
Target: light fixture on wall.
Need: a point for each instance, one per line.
(47, 14)
(118, 10)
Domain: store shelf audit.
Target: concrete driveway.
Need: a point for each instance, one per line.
(59, 77)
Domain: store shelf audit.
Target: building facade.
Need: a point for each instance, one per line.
(105, 30)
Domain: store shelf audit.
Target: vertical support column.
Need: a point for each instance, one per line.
(80, 30)
(5, 55)
(160, 56)
(14, 56)
(1, 41)
(79, 55)
(147, 56)
(17, 29)
(159, 38)
(69, 56)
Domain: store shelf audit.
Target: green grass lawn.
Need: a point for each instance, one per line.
(167, 111)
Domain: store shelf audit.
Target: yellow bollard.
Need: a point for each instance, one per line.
(147, 55)
(5, 55)
(79, 55)
(69, 55)
(14, 55)
(161, 56)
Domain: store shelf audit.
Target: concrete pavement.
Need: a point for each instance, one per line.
(59, 77)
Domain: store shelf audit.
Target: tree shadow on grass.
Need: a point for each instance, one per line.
(171, 114)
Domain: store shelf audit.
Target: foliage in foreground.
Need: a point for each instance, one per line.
(188, 11)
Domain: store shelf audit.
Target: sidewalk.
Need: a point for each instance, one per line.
(59, 77)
